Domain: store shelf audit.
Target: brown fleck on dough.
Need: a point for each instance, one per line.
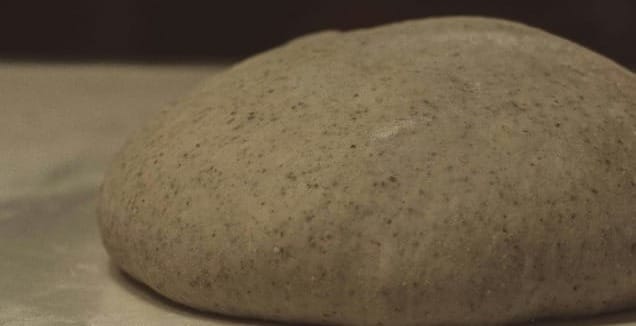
(452, 170)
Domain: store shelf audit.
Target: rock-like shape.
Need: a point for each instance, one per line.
(452, 170)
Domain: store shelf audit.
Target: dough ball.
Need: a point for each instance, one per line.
(435, 171)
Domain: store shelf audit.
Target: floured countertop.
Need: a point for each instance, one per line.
(59, 126)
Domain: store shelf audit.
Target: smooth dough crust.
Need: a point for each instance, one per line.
(437, 171)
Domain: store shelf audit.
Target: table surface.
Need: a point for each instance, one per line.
(60, 124)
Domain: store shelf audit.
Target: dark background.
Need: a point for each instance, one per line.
(200, 31)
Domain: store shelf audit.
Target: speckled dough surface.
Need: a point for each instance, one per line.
(455, 170)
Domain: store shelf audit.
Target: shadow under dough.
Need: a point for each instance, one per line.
(147, 294)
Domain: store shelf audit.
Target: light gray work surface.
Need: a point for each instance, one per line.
(59, 126)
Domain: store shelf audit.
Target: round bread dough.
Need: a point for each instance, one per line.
(436, 171)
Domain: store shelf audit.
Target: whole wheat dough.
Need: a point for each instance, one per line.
(453, 170)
